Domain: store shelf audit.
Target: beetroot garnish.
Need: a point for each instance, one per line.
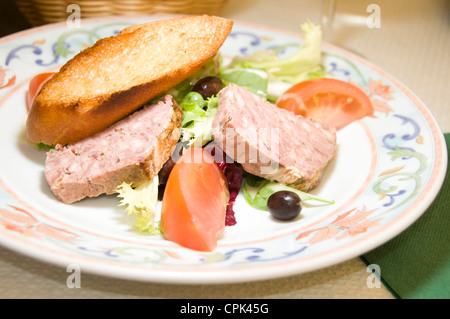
(234, 174)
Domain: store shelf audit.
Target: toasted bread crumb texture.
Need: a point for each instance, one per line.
(136, 65)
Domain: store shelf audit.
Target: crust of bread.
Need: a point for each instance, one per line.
(117, 75)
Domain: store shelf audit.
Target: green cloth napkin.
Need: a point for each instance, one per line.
(416, 263)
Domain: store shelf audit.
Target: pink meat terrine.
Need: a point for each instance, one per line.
(132, 150)
(270, 142)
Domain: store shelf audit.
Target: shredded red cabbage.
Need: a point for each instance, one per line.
(234, 173)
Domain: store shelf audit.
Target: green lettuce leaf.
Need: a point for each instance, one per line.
(293, 69)
(258, 190)
(43, 146)
(254, 80)
(198, 114)
(210, 68)
(141, 201)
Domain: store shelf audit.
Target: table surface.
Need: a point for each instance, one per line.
(412, 44)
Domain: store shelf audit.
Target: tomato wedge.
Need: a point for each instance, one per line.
(333, 101)
(195, 201)
(35, 86)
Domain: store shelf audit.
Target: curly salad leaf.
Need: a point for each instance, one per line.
(258, 190)
(305, 63)
(141, 201)
(198, 114)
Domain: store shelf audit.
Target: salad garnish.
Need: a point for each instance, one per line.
(264, 73)
(141, 201)
(257, 191)
(293, 69)
(234, 174)
(198, 114)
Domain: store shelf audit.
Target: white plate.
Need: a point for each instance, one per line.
(386, 172)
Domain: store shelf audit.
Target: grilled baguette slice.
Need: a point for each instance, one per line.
(117, 75)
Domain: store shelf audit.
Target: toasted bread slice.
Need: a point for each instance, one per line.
(117, 75)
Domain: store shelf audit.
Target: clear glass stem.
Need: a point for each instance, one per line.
(328, 11)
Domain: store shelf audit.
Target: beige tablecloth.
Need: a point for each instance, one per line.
(412, 43)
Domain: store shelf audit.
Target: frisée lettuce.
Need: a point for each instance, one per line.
(141, 201)
(198, 114)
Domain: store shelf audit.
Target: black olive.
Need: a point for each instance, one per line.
(208, 86)
(167, 167)
(284, 205)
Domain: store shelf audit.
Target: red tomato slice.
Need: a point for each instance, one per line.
(335, 102)
(35, 86)
(195, 201)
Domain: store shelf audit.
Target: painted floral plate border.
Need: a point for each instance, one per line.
(399, 164)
